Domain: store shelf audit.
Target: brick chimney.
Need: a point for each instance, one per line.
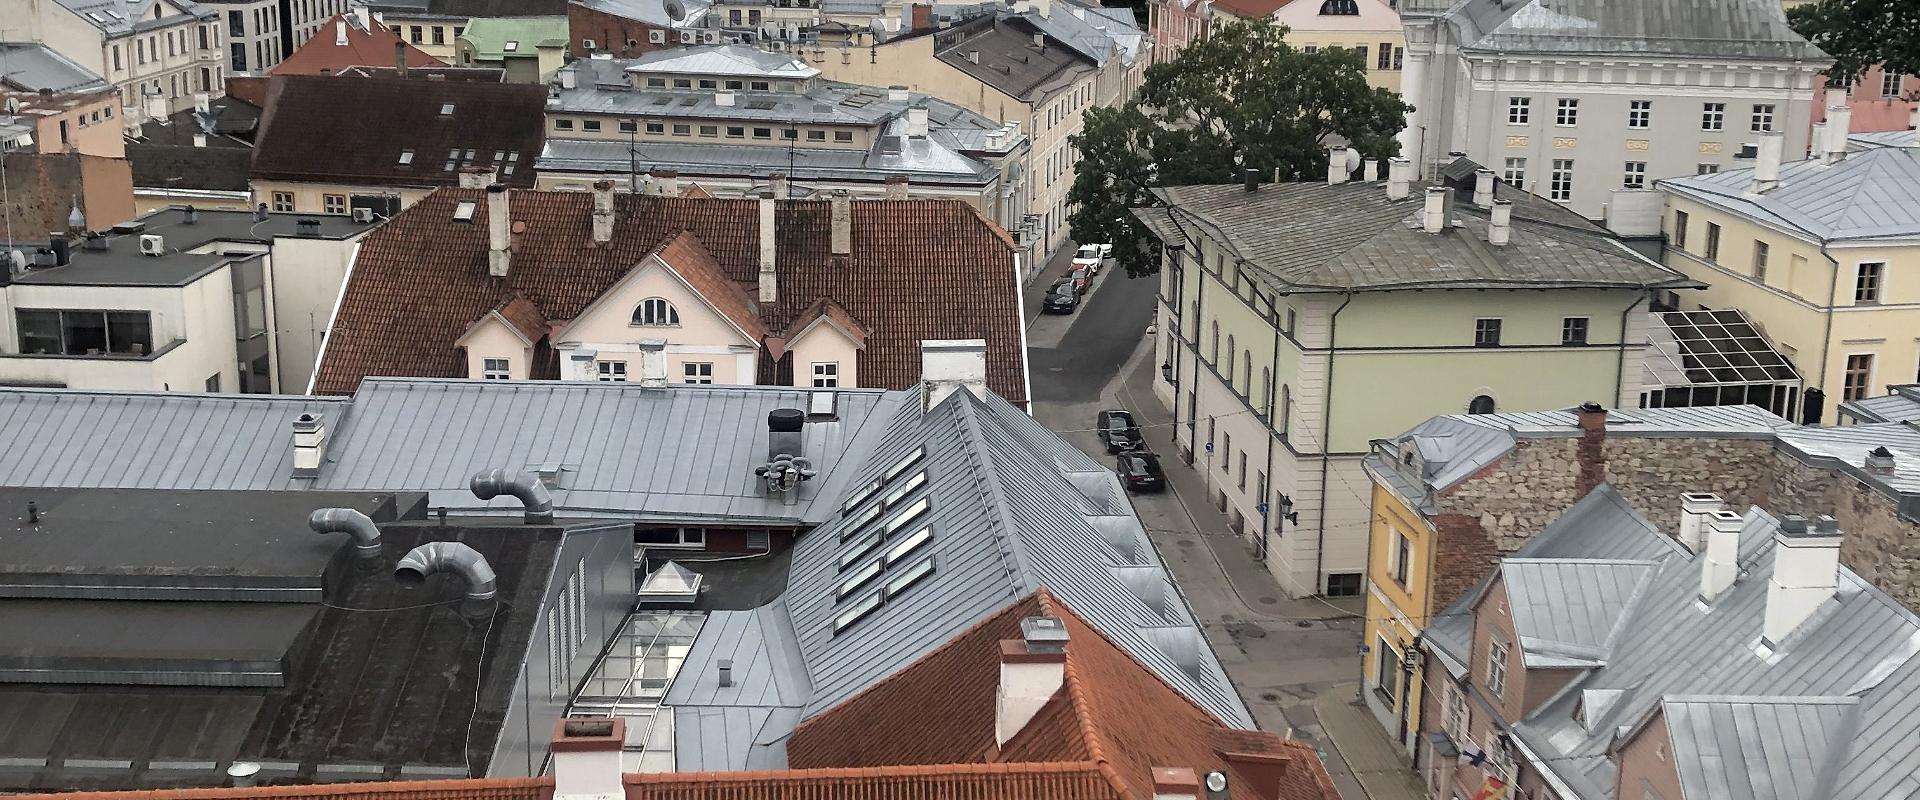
(1806, 570)
(476, 177)
(602, 212)
(842, 219)
(897, 187)
(1032, 669)
(499, 231)
(769, 277)
(1591, 453)
(586, 756)
(1175, 783)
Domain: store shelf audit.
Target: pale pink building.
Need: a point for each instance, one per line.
(1176, 23)
(1881, 101)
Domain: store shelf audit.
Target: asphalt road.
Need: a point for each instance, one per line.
(1099, 337)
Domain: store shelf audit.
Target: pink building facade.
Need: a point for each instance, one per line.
(1880, 101)
(1176, 23)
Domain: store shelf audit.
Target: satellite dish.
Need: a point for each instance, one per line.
(1353, 159)
(16, 262)
(675, 10)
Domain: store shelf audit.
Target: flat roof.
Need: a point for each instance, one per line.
(122, 264)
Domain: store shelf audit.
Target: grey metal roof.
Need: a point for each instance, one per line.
(734, 728)
(1311, 236)
(1845, 447)
(1902, 404)
(603, 87)
(1735, 29)
(121, 17)
(1567, 611)
(923, 158)
(122, 263)
(1870, 196)
(998, 50)
(1876, 139)
(722, 60)
(34, 66)
(1718, 739)
(1090, 31)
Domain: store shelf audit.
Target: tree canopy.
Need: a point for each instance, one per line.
(1242, 98)
(1862, 33)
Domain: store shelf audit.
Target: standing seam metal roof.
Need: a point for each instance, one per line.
(1873, 195)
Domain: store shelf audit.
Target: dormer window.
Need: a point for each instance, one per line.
(656, 311)
(1340, 8)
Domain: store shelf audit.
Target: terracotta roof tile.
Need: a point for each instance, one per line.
(524, 316)
(464, 789)
(305, 137)
(695, 190)
(322, 55)
(825, 307)
(942, 782)
(920, 269)
(686, 256)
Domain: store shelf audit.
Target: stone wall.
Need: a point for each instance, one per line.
(1877, 544)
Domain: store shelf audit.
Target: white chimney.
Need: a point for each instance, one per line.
(666, 182)
(1337, 171)
(602, 212)
(363, 16)
(199, 140)
(1483, 188)
(949, 365)
(568, 79)
(898, 94)
(1694, 509)
(1175, 783)
(499, 231)
(1806, 565)
(1370, 170)
(769, 279)
(1839, 121)
(1399, 178)
(1433, 217)
(842, 222)
(1500, 227)
(917, 122)
(340, 33)
(201, 103)
(897, 186)
(723, 98)
(1032, 670)
(777, 182)
(309, 444)
(586, 757)
(1720, 564)
(653, 363)
(1818, 142)
(1766, 162)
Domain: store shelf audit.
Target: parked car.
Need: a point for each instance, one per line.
(1091, 256)
(1062, 298)
(1082, 278)
(1140, 471)
(1118, 431)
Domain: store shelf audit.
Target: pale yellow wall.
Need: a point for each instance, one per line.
(1791, 305)
(1319, 33)
(491, 338)
(105, 137)
(450, 31)
(310, 198)
(824, 342)
(703, 335)
(1395, 611)
(610, 130)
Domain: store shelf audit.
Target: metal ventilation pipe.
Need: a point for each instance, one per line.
(454, 557)
(366, 535)
(492, 483)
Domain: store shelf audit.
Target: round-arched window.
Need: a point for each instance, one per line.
(655, 311)
(1482, 404)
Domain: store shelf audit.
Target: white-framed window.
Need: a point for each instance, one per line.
(1762, 117)
(1561, 185)
(1519, 110)
(283, 201)
(1858, 378)
(699, 372)
(1402, 557)
(1486, 332)
(1635, 176)
(1455, 715)
(1567, 113)
(1515, 173)
(1866, 281)
(612, 371)
(495, 369)
(334, 203)
(1761, 252)
(1573, 331)
(826, 374)
(655, 311)
(1705, 169)
(671, 537)
(1713, 116)
(1496, 667)
(1890, 84)
(1640, 114)
(1500, 755)
(1386, 671)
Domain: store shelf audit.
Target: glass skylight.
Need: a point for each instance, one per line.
(858, 521)
(860, 608)
(855, 579)
(907, 515)
(905, 463)
(858, 549)
(900, 492)
(908, 544)
(908, 577)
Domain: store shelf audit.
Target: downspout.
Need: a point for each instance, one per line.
(1826, 339)
(1326, 444)
(1620, 364)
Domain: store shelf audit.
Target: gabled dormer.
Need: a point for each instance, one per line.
(825, 342)
(678, 294)
(502, 344)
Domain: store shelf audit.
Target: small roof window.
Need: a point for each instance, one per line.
(446, 109)
(511, 46)
(463, 212)
(406, 156)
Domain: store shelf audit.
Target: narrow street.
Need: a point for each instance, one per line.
(1296, 663)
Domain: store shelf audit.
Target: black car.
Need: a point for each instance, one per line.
(1140, 471)
(1061, 299)
(1118, 431)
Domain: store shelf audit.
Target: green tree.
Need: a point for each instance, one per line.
(1240, 99)
(1862, 33)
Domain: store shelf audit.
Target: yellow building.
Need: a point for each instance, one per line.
(1822, 255)
(1399, 603)
(1369, 26)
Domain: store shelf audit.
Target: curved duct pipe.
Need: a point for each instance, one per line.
(366, 535)
(454, 557)
(492, 483)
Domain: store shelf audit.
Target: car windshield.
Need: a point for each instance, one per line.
(1088, 251)
(1137, 464)
(1118, 423)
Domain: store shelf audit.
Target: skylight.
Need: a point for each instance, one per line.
(446, 109)
(905, 463)
(918, 480)
(908, 577)
(511, 46)
(856, 579)
(907, 515)
(859, 549)
(406, 156)
(463, 212)
(901, 549)
(860, 608)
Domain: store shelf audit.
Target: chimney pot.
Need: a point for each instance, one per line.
(1252, 177)
(1694, 510)
(1175, 783)
(1337, 171)
(1483, 188)
(1592, 417)
(1721, 565)
(1433, 217)
(1500, 225)
(1370, 170)
(1399, 178)
(1880, 461)
(309, 444)
(586, 756)
(841, 213)
(1806, 565)
(1766, 162)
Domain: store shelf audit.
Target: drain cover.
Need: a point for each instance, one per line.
(1267, 601)
(1271, 697)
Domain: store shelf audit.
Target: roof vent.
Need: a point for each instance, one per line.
(451, 557)
(1880, 461)
(366, 535)
(787, 465)
(527, 487)
(309, 228)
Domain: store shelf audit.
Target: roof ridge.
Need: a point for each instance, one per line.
(1077, 698)
(741, 776)
(1013, 547)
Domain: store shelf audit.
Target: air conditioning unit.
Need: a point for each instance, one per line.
(686, 37)
(586, 44)
(363, 215)
(710, 37)
(656, 37)
(153, 244)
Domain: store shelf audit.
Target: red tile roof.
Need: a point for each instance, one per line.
(524, 316)
(304, 136)
(920, 269)
(464, 789)
(370, 46)
(943, 782)
(687, 257)
(1113, 715)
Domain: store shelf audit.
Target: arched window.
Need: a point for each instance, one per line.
(1226, 369)
(1286, 409)
(655, 311)
(1246, 369)
(1266, 390)
(1481, 404)
(1213, 346)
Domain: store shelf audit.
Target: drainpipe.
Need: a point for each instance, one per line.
(1326, 442)
(1826, 340)
(1620, 364)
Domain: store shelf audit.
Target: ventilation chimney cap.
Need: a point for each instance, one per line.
(1044, 634)
(1793, 525)
(1880, 459)
(786, 420)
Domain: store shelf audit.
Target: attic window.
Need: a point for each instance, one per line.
(860, 608)
(463, 212)
(856, 522)
(406, 156)
(856, 579)
(446, 109)
(918, 480)
(511, 46)
(908, 544)
(1340, 8)
(859, 549)
(905, 463)
(908, 577)
(908, 515)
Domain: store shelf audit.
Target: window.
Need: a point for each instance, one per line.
(1866, 282)
(116, 58)
(82, 333)
(1762, 117)
(762, 133)
(1567, 114)
(1561, 187)
(699, 372)
(656, 127)
(1226, 447)
(826, 374)
(629, 126)
(655, 311)
(612, 371)
(1243, 470)
(563, 124)
(816, 136)
(1486, 332)
(1496, 667)
(1385, 54)
(682, 129)
(213, 381)
(1481, 404)
(657, 83)
(1519, 110)
(283, 201)
(1640, 114)
(416, 35)
(1402, 557)
(1573, 331)
(1343, 584)
(1680, 229)
(590, 125)
(736, 132)
(1705, 169)
(334, 203)
(843, 136)
(1455, 716)
(1386, 671)
(1713, 116)
(1635, 176)
(758, 86)
(1859, 376)
(709, 130)
(683, 83)
(1890, 84)
(1226, 370)
(1760, 252)
(1516, 173)
(1713, 241)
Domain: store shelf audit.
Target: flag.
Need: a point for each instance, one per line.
(1493, 789)
(1472, 756)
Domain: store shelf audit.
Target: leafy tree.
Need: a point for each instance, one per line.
(1240, 99)
(1862, 33)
